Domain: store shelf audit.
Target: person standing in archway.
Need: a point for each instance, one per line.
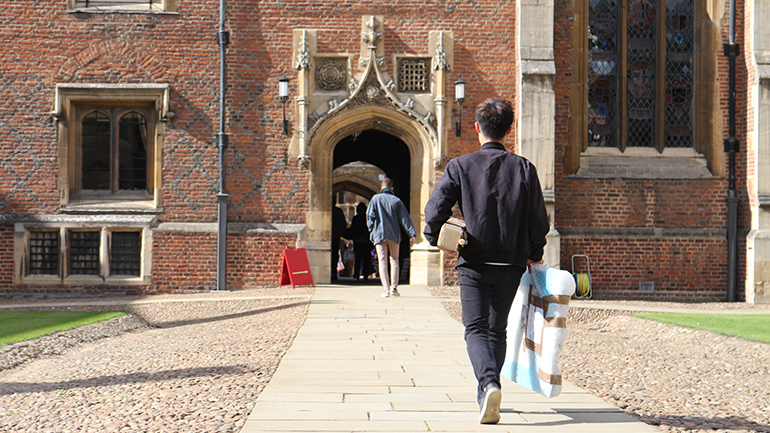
(362, 246)
(339, 225)
(385, 217)
(500, 198)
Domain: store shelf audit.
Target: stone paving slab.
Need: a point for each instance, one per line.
(362, 363)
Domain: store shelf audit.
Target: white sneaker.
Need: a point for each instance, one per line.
(385, 294)
(394, 292)
(490, 406)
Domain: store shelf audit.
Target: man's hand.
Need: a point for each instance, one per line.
(530, 263)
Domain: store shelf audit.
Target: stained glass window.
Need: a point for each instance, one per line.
(679, 78)
(602, 73)
(641, 73)
(632, 63)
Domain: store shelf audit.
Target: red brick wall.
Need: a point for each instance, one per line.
(6, 256)
(266, 186)
(184, 262)
(681, 269)
(254, 260)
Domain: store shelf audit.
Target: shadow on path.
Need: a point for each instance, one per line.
(178, 323)
(10, 388)
(729, 423)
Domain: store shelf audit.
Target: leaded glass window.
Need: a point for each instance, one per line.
(114, 150)
(43, 253)
(126, 253)
(640, 73)
(84, 253)
(602, 73)
(96, 151)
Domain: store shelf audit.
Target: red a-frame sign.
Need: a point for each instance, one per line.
(295, 269)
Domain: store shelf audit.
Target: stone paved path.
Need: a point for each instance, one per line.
(362, 363)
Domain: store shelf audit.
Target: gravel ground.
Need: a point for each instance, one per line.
(681, 380)
(195, 366)
(169, 367)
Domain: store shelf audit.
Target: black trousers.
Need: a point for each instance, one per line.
(363, 265)
(486, 293)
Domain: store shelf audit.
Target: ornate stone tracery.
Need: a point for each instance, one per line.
(330, 74)
(415, 86)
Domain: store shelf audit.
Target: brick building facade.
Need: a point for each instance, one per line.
(110, 161)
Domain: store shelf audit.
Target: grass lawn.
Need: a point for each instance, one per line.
(16, 326)
(752, 327)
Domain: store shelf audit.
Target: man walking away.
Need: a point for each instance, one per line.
(385, 217)
(500, 198)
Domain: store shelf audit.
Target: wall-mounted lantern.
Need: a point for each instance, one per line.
(459, 98)
(283, 94)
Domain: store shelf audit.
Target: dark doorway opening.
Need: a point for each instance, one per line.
(391, 155)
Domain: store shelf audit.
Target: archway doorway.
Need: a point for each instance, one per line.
(359, 163)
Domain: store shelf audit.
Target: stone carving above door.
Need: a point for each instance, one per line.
(328, 84)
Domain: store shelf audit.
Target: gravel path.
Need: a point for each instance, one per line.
(681, 380)
(197, 365)
(182, 367)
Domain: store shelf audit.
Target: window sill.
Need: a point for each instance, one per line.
(85, 280)
(41, 280)
(646, 163)
(119, 206)
(121, 11)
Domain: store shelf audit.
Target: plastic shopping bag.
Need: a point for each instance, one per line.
(537, 329)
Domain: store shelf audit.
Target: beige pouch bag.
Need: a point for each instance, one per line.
(453, 235)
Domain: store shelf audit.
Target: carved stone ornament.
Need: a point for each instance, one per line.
(303, 56)
(439, 60)
(304, 160)
(353, 85)
(372, 37)
(330, 74)
(440, 162)
(370, 88)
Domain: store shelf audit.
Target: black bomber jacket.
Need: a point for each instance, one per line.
(499, 195)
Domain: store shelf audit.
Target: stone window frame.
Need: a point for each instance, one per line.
(123, 6)
(69, 103)
(22, 250)
(701, 161)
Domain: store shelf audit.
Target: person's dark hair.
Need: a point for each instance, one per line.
(494, 116)
(361, 208)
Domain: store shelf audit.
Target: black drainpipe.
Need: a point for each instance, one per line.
(223, 38)
(731, 147)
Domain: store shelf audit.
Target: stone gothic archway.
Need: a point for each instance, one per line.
(425, 265)
(335, 102)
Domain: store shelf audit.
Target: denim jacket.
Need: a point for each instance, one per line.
(385, 217)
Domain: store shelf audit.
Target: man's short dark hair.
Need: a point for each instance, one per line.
(494, 116)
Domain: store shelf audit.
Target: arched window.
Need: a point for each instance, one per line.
(132, 152)
(96, 148)
(114, 150)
